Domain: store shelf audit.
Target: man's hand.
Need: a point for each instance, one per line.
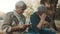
(24, 26)
(20, 27)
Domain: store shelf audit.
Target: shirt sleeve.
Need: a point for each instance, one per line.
(34, 20)
(6, 27)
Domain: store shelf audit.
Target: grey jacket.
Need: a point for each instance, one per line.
(10, 21)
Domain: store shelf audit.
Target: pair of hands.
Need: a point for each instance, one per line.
(20, 27)
(23, 27)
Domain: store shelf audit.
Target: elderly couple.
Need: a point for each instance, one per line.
(15, 22)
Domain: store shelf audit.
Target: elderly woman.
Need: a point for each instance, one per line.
(38, 19)
(14, 22)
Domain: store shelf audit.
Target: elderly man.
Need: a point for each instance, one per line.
(14, 22)
(38, 19)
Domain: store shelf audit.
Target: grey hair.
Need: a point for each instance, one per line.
(22, 4)
(42, 8)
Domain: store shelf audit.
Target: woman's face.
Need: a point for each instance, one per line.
(41, 12)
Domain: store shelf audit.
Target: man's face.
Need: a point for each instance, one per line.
(19, 9)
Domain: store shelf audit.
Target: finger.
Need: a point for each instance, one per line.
(40, 16)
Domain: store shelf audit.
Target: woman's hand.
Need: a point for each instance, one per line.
(43, 16)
